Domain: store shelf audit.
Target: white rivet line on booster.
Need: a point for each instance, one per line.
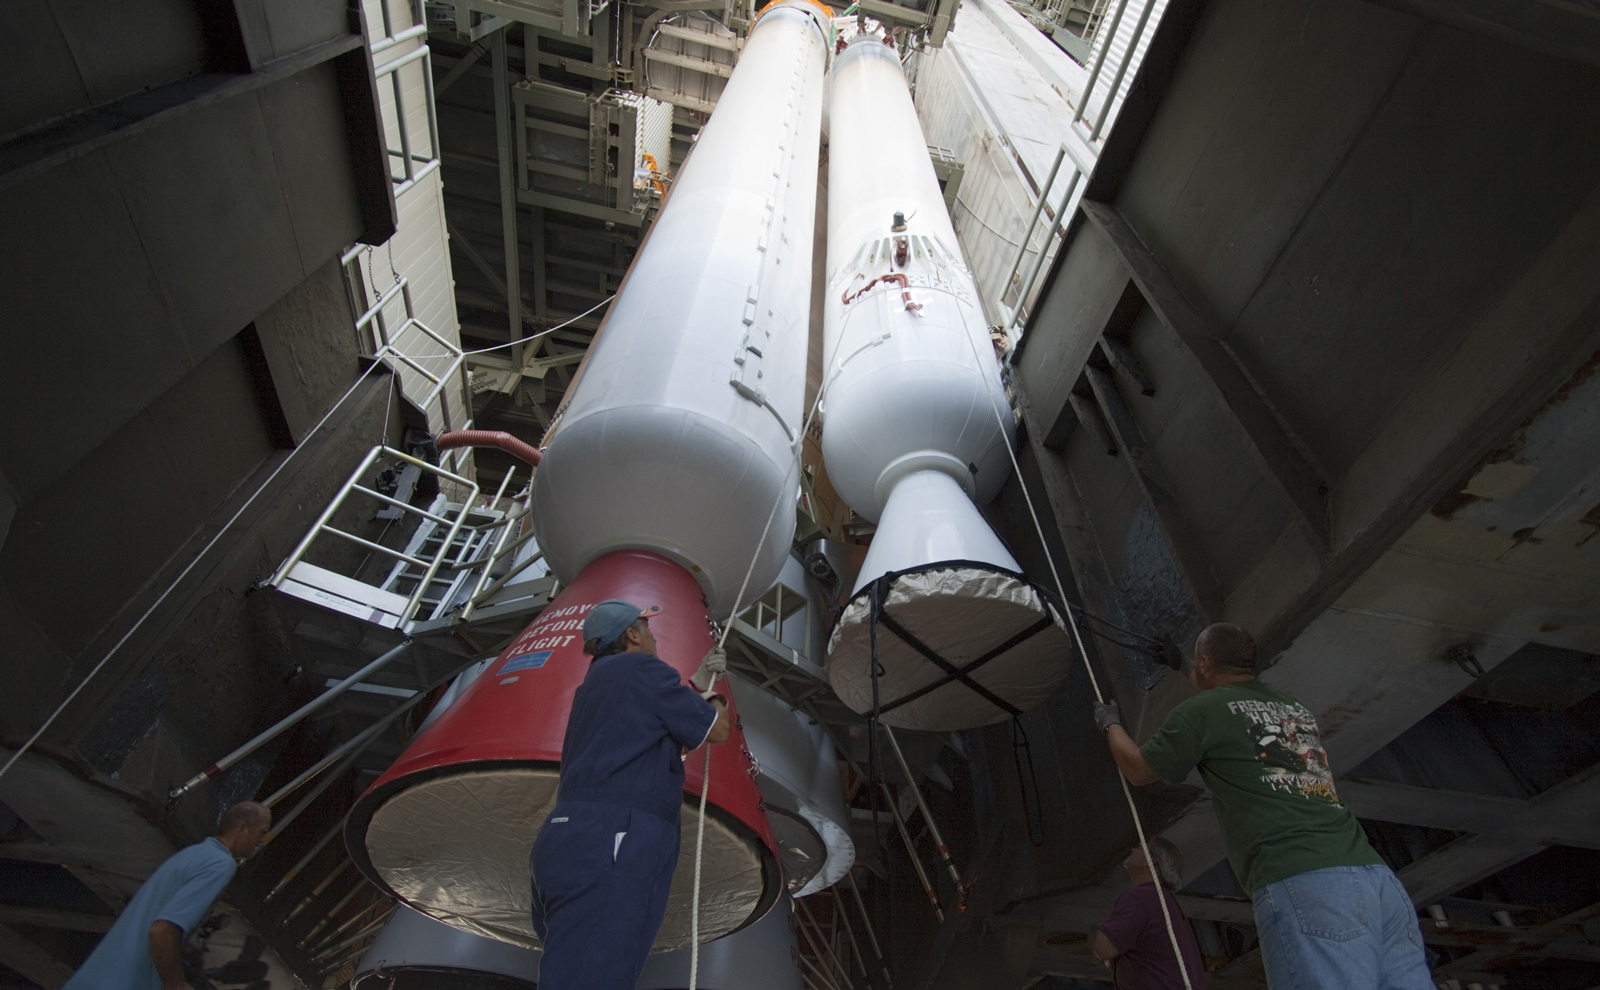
(1094, 682)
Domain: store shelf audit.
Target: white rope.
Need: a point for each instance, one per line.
(546, 330)
(1094, 682)
(722, 639)
(45, 725)
(699, 849)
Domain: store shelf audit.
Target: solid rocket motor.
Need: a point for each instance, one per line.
(916, 426)
(671, 465)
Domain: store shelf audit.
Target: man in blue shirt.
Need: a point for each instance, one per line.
(603, 862)
(144, 948)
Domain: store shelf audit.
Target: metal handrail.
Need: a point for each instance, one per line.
(503, 579)
(430, 567)
(375, 324)
(499, 544)
(1084, 158)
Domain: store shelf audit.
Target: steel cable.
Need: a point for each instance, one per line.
(1094, 682)
(224, 530)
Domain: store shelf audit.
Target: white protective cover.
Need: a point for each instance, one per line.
(799, 777)
(658, 450)
(412, 940)
(471, 872)
(961, 613)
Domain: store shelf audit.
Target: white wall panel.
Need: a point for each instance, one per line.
(1003, 97)
(419, 250)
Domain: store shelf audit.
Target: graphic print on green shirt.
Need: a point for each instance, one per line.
(1260, 754)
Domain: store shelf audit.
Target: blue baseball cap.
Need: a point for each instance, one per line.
(610, 619)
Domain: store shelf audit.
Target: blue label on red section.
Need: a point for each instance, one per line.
(527, 661)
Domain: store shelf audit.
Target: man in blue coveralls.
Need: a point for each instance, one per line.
(144, 948)
(603, 862)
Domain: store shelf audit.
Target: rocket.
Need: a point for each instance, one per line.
(669, 479)
(916, 426)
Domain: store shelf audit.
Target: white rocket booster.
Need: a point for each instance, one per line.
(673, 462)
(915, 432)
(679, 437)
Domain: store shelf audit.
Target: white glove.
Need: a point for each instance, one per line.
(712, 667)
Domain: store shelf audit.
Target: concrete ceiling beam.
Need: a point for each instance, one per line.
(71, 921)
(1256, 419)
(1464, 861)
(1196, 568)
(1565, 817)
(30, 960)
(1565, 30)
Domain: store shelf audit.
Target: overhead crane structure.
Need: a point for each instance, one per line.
(1283, 321)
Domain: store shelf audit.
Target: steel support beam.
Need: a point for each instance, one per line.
(508, 190)
(1267, 436)
(580, 207)
(1563, 817)
(461, 241)
(1193, 562)
(458, 70)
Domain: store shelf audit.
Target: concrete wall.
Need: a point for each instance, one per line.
(179, 185)
(1314, 359)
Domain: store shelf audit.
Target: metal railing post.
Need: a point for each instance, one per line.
(927, 815)
(1099, 62)
(322, 944)
(289, 721)
(1027, 232)
(505, 579)
(843, 918)
(826, 983)
(316, 891)
(872, 934)
(1044, 249)
(1122, 70)
(433, 568)
(433, 113)
(305, 860)
(494, 555)
(322, 520)
(911, 851)
(812, 926)
(353, 948)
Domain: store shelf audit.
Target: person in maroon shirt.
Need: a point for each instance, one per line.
(1134, 943)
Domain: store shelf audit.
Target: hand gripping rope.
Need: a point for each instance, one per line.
(722, 639)
(1094, 682)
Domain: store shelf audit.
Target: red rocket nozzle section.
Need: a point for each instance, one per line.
(448, 828)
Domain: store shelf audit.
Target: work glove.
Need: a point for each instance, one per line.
(712, 667)
(1107, 714)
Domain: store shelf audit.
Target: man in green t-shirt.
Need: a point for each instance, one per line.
(1329, 913)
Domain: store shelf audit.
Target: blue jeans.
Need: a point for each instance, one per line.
(1343, 928)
